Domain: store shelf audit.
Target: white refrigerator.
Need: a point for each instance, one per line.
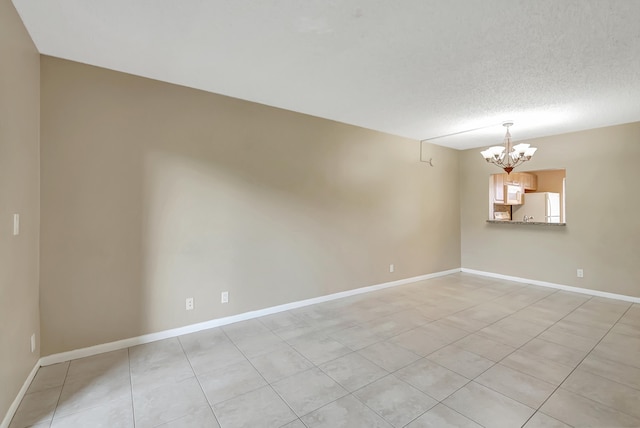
(539, 207)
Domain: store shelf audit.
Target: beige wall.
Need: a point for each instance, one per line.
(152, 193)
(550, 180)
(602, 235)
(19, 193)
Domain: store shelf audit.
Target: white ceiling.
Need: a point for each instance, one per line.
(415, 68)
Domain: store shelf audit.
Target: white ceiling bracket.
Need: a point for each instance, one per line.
(430, 161)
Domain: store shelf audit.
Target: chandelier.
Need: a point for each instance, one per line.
(508, 157)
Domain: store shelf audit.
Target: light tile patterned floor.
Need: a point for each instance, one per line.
(454, 351)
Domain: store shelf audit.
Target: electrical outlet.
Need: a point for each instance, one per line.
(33, 342)
(16, 224)
(580, 273)
(392, 267)
(224, 297)
(189, 304)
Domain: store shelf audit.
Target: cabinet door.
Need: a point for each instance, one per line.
(533, 182)
(498, 188)
(529, 181)
(513, 178)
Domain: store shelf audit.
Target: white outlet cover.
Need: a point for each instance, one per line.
(33, 342)
(189, 304)
(16, 224)
(224, 297)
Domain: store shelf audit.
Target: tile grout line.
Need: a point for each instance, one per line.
(382, 340)
(475, 332)
(385, 339)
(361, 324)
(425, 357)
(580, 362)
(453, 344)
(326, 331)
(460, 310)
(518, 348)
(352, 352)
(369, 384)
(133, 409)
(613, 380)
(536, 336)
(462, 329)
(453, 410)
(407, 383)
(262, 376)
(391, 337)
(528, 341)
(64, 382)
(497, 362)
(197, 380)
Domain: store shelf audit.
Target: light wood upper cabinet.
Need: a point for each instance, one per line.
(508, 189)
(527, 180)
(498, 188)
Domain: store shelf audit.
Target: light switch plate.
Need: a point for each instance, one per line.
(16, 224)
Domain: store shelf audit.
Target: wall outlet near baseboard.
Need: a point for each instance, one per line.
(580, 273)
(189, 304)
(33, 342)
(392, 267)
(224, 297)
(16, 224)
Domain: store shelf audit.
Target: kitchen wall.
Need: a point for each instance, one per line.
(19, 193)
(602, 234)
(152, 193)
(552, 180)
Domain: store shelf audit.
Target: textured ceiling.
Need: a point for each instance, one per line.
(415, 68)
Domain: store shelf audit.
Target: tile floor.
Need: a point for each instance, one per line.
(454, 351)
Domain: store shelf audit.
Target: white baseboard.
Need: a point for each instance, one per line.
(125, 343)
(16, 403)
(553, 285)
(166, 334)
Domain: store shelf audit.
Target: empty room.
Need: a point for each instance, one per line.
(319, 214)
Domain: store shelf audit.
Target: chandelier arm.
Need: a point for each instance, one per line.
(507, 158)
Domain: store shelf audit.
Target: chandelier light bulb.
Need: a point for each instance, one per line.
(515, 155)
